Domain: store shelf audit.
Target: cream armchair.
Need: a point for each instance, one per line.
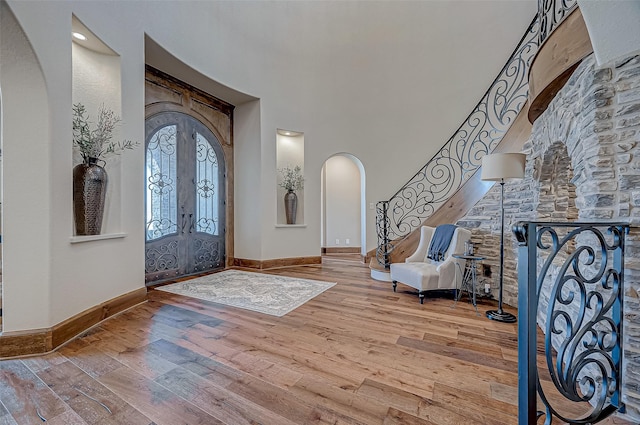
(426, 274)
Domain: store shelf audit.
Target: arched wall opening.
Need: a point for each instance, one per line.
(556, 202)
(556, 192)
(26, 183)
(343, 205)
(246, 144)
(1, 209)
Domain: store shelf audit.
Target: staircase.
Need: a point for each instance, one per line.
(449, 184)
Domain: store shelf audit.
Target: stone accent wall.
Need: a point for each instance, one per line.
(484, 222)
(583, 162)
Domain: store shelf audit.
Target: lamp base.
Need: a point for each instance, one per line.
(501, 316)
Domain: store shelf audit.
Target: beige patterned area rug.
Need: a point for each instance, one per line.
(264, 293)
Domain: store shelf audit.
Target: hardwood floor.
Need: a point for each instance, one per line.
(356, 354)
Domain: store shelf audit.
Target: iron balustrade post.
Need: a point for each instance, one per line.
(386, 235)
(570, 286)
(527, 326)
(382, 229)
(618, 313)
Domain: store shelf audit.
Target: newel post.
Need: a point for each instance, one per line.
(525, 234)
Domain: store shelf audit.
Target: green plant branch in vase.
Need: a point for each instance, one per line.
(292, 180)
(96, 144)
(89, 178)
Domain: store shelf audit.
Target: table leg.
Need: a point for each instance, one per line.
(458, 291)
(473, 285)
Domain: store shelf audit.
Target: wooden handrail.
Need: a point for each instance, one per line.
(556, 60)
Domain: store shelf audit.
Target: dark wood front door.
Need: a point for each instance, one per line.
(185, 197)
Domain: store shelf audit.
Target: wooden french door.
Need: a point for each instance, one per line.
(185, 197)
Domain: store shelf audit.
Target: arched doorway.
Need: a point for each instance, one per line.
(343, 205)
(185, 197)
(188, 180)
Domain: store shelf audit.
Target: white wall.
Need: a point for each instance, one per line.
(614, 28)
(342, 202)
(46, 278)
(247, 207)
(27, 193)
(386, 81)
(0, 191)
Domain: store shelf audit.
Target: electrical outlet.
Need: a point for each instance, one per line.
(337, 241)
(346, 241)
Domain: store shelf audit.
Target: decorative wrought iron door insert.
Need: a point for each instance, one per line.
(185, 196)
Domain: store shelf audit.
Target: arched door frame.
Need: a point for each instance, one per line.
(164, 93)
(363, 200)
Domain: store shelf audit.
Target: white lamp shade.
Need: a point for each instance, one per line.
(503, 166)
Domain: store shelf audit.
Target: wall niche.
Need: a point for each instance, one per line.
(96, 84)
(289, 155)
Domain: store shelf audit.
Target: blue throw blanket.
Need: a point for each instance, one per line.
(440, 241)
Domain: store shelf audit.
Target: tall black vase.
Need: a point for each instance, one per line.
(291, 206)
(89, 191)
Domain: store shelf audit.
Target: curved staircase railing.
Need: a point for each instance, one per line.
(479, 134)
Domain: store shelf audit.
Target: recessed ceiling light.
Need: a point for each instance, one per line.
(79, 36)
(289, 133)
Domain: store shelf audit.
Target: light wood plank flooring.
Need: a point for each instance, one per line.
(356, 354)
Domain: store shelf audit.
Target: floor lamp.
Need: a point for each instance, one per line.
(500, 167)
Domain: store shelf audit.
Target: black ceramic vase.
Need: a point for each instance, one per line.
(291, 206)
(89, 191)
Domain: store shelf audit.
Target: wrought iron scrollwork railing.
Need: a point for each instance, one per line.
(479, 134)
(570, 283)
(551, 13)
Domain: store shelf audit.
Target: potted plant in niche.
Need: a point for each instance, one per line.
(90, 178)
(292, 180)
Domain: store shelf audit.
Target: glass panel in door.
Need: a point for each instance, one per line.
(164, 249)
(207, 245)
(207, 187)
(161, 178)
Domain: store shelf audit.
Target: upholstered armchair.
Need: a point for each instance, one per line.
(426, 272)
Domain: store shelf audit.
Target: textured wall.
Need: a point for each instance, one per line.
(613, 28)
